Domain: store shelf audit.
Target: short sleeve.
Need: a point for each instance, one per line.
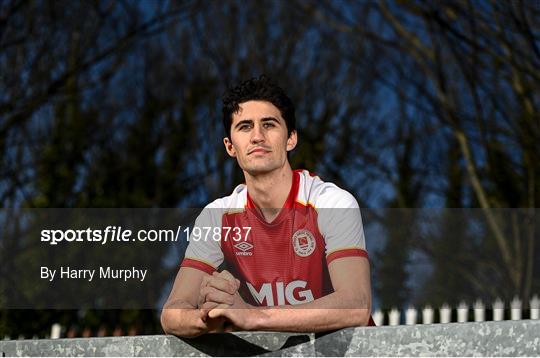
(340, 223)
(204, 253)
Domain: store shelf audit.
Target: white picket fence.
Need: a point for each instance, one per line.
(411, 314)
(427, 314)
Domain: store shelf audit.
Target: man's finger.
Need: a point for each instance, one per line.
(219, 311)
(200, 300)
(204, 283)
(209, 305)
(213, 295)
(222, 285)
(202, 297)
(201, 322)
(206, 307)
(210, 294)
(205, 280)
(227, 275)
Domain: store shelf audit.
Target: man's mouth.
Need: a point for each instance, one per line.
(258, 150)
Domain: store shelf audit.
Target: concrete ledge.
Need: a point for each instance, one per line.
(506, 338)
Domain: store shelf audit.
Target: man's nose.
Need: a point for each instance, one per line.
(257, 134)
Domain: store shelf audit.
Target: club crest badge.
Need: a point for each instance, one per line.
(303, 243)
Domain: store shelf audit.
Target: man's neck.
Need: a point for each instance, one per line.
(269, 191)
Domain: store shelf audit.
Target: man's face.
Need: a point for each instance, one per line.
(259, 138)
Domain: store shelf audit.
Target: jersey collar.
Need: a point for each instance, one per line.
(289, 203)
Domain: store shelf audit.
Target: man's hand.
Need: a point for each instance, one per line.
(220, 288)
(237, 319)
(220, 292)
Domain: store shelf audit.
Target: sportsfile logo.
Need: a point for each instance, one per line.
(245, 249)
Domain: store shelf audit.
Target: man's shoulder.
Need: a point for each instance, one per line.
(236, 200)
(322, 194)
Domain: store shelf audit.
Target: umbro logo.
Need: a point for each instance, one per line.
(245, 249)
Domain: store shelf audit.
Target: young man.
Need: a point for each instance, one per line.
(293, 245)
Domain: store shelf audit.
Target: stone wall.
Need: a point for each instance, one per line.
(506, 338)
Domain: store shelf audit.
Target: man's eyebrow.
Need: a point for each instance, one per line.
(243, 121)
(250, 121)
(268, 119)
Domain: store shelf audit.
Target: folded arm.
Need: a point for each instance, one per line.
(181, 315)
(349, 305)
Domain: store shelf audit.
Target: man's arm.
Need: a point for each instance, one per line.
(180, 315)
(349, 305)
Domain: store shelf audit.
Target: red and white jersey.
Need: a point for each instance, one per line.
(285, 261)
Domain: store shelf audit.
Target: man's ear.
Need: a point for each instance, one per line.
(291, 141)
(229, 147)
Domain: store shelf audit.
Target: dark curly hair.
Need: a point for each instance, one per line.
(257, 89)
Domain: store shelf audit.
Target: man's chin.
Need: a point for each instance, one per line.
(260, 170)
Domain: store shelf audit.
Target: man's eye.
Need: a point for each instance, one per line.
(243, 127)
(268, 125)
